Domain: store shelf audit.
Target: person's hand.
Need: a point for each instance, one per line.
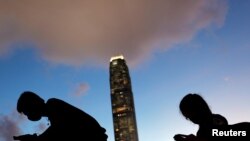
(180, 137)
(26, 137)
(191, 137)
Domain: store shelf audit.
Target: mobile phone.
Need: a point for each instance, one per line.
(180, 137)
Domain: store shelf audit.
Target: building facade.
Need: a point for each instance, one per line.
(123, 110)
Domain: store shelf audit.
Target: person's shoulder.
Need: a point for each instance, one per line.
(241, 125)
(219, 120)
(53, 101)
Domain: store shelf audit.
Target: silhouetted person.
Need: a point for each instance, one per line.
(195, 109)
(66, 121)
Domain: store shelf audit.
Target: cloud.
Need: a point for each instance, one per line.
(81, 89)
(9, 126)
(89, 32)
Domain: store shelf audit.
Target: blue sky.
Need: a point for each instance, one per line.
(210, 58)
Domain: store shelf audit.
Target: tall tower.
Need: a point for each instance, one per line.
(123, 109)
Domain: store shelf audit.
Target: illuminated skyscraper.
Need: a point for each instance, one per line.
(123, 109)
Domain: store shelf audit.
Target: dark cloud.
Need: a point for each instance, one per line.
(91, 31)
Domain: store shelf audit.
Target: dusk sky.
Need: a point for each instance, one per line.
(61, 49)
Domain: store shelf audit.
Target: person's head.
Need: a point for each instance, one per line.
(195, 108)
(31, 105)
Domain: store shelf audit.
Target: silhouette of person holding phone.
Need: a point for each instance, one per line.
(194, 108)
(66, 121)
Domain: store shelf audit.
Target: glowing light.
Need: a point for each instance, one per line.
(116, 57)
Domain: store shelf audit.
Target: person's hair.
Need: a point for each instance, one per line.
(28, 99)
(194, 102)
